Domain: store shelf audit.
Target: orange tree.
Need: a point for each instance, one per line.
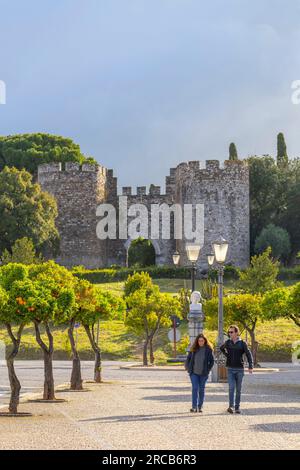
(148, 310)
(58, 282)
(84, 300)
(93, 305)
(14, 314)
(283, 302)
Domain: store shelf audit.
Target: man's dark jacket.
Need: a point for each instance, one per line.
(234, 354)
(207, 365)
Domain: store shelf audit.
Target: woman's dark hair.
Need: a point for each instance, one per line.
(196, 346)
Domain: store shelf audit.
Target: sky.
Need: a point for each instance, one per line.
(142, 85)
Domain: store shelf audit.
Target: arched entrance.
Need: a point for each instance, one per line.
(141, 252)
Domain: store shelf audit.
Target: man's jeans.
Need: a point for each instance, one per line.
(235, 379)
(198, 389)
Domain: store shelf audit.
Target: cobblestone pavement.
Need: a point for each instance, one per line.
(150, 410)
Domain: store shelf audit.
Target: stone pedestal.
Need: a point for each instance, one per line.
(195, 318)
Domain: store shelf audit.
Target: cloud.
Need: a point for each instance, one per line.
(144, 85)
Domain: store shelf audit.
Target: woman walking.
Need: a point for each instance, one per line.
(199, 363)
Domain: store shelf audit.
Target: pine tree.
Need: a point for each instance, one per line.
(233, 152)
(282, 157)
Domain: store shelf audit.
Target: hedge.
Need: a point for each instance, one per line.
(98, 276)
(289, 273)
(114, 274)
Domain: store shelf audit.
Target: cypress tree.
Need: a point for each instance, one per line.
(282, 157)
(233, 152)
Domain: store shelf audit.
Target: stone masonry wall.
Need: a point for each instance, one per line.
(78, 191)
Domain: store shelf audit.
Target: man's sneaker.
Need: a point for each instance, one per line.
(230, 410)
(238, 411)
(200, 410)
(193, 410)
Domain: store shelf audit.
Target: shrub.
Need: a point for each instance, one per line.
(98, 276)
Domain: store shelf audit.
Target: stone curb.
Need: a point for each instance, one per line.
(33, 396)
(181, 368)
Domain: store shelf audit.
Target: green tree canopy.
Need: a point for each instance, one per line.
(22, 251)
(261, 275)
(14, 314)
(265, 198)
(30, 150)
(138, 281)
(233, 155)
(290, 218)
(282, 157)
(283, 302)
(55, 283)
(93, 304)
(147, 312)
(277, 238)
(25, 211)
(141, 253)
(242, 309)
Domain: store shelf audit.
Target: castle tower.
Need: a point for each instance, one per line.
(78, 191)
(225, 195)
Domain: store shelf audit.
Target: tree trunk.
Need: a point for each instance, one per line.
(151, 336)
(296, 319)
(48, 361)
(254, 346)
(76, 379)
(49, 380)
(145, 351)
(97, 367)
(15, 385)
(151, 351)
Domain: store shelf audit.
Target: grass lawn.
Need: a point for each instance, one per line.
(117, 343)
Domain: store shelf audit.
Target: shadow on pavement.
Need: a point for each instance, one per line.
(290, 428)
(158, 417)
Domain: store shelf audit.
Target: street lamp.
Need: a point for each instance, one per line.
(193, 250)
(210, 259)
(176, 258)
(220, 248)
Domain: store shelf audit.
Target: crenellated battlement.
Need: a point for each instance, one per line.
(71, 167)
(210, 165)
(142, 191)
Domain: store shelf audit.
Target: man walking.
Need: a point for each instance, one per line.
(234, 349)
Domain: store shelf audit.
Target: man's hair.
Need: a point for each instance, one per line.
(236, 328)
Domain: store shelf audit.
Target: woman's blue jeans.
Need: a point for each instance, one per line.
(198, 389)
(235, 379)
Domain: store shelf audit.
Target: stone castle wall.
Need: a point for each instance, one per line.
(79, 190)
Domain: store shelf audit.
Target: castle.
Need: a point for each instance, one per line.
(78, 190)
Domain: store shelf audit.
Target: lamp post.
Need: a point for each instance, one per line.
(210, 259)
(176, 258)
(192, 251)
(220, 248)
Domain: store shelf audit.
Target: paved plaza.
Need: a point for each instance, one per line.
(138, 409)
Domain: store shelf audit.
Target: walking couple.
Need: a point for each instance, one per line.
(200, 361)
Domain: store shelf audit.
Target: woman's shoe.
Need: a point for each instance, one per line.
(200, 410)
(193, 410)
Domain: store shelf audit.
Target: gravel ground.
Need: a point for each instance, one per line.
(150, 410)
